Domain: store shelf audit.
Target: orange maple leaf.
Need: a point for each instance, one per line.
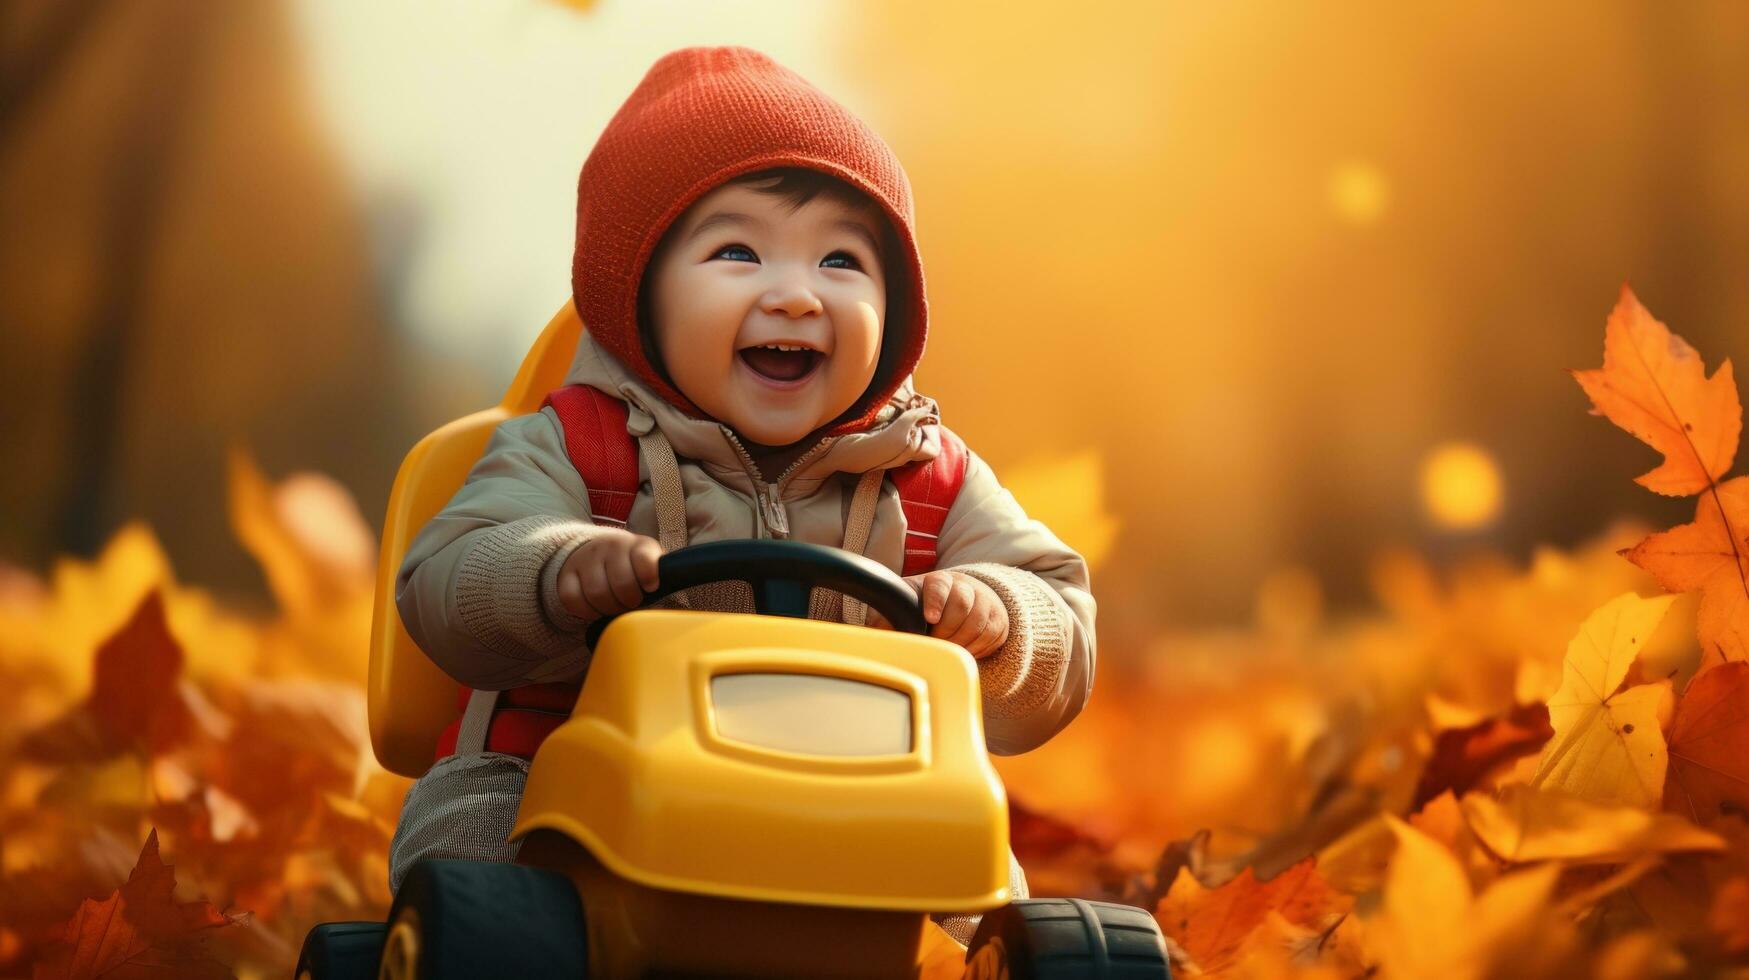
(1655, 386)
(139, 931)
(1212, 925)
(1709, 745)
(1711, 554)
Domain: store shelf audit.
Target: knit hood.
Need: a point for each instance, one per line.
(701, 117)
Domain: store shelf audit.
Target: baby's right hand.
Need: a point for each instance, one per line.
(608, 574)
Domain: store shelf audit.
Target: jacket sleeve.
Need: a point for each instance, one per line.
(478, 587)
(1040, 678)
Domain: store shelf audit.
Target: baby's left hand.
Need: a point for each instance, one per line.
(961, 608)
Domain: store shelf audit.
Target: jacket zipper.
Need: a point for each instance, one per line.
(770, 495)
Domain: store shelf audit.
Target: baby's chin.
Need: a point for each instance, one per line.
(760, 426)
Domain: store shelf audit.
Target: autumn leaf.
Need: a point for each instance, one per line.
(1709, 745)
(1711, 554)
(1212, 925)
(1609, 744)
(1529, 824)
(1463, 757)
(306, 533)
(135, 702)
(139, 931)
(1435, 925)
(1038, 836)
(1654, 385)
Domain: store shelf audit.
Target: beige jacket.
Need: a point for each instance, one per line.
(478, 587)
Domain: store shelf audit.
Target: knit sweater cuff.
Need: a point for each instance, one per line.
(503, 585)
(1020, 677)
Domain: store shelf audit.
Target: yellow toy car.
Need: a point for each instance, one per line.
(751, 795)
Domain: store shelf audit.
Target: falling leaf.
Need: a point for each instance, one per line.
(1463, 757)
(1655, 386)
(140, 931)
(1212, 925)
(1712, 555)
(1530, 824)
(1709, 745)
(1609, 744)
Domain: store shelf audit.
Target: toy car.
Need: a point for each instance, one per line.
(734, 794)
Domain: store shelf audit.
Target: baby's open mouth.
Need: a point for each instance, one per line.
(781, 363)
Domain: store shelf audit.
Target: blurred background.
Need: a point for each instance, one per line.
(1233, 294)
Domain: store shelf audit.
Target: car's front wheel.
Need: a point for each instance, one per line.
(1064, 938)
(484, 919)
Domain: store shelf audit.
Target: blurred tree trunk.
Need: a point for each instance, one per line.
(182, 270)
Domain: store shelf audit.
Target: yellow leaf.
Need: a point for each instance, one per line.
(1609, 745)
(1427, 895)
(1435, 926)
(1530, 824)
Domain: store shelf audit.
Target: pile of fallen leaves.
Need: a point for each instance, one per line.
(139, 718)
(1512, 773)
(1502, 771)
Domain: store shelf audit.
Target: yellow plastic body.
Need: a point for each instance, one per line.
(697, 855)
(638, 931)
(411, 699)
(640, 776)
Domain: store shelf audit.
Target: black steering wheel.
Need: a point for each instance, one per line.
(781, 574)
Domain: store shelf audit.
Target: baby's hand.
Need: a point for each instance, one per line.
(608, 574)
(962, 609)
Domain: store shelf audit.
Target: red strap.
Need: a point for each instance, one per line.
(606, 457)
(594, 423)
(927, 489)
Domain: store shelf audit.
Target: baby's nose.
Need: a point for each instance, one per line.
(792, 299)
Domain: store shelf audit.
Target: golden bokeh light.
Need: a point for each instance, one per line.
(1460, 486)
(1358, 192)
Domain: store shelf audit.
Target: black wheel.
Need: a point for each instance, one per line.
(1067, 939)
(342, 951)
(484, 919)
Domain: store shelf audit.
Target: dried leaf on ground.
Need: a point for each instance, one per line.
(1433, 924)
(1530, 824)
(1709, 745)
(1212, 925)
(1462, 757)
(1609, 744)
(140, 931)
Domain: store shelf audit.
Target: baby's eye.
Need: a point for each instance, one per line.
(854, 262)
(736, 248)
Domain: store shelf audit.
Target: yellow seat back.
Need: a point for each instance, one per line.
(411, 699)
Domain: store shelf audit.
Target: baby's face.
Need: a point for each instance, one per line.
(741, 272)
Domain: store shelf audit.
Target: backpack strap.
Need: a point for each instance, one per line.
(606, 456)
(927, 488)
(516, 721)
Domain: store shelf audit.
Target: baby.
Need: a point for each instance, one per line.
(754, 302)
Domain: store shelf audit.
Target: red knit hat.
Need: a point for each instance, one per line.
(700, 117)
